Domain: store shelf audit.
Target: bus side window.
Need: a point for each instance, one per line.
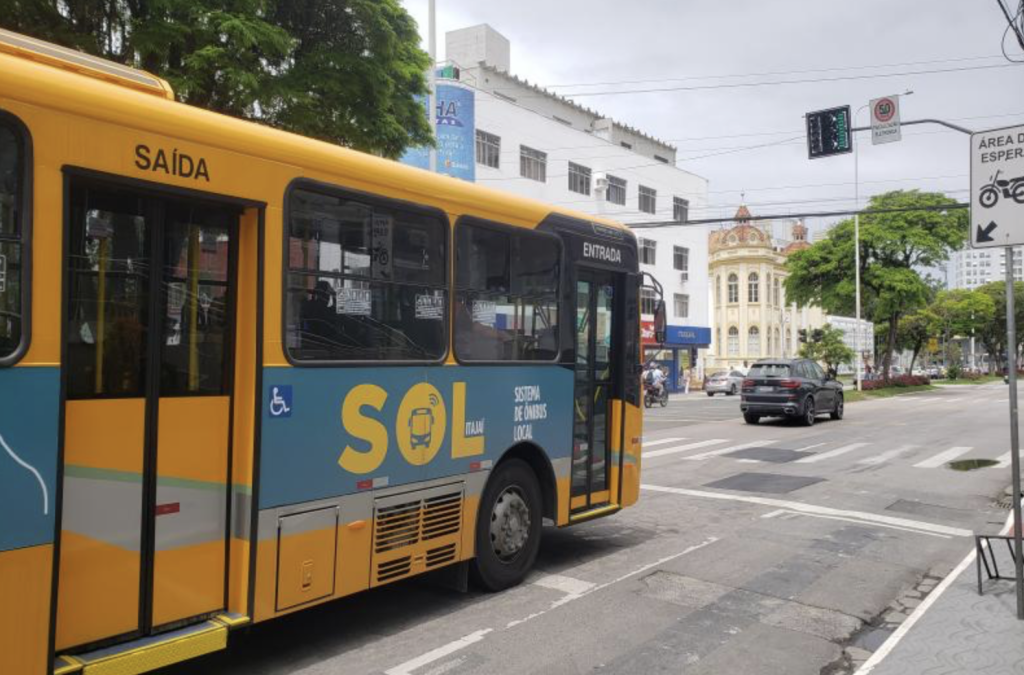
(13, 208)
(366, 279)
(506, 306)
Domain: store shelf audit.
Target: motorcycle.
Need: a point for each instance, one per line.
(651, 396)
(1012, 188)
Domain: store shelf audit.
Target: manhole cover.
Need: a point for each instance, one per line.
(772, 483)
(776, 455)
(971, 464)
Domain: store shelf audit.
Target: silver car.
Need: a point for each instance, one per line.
(727, 382)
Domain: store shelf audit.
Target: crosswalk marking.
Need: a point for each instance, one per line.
(886, 456)
(684, 448)
(1004, 461)
(661, 441)
(726, 451)
(821, 456)
(943, 457)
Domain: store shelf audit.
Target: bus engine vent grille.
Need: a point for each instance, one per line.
(416, 531)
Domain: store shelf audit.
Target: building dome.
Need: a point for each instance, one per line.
(744, 234)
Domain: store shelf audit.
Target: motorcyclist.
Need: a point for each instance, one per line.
(655, 378)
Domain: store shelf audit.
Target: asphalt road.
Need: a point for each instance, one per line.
(759, 550)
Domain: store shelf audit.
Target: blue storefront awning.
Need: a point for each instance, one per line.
(699, 336)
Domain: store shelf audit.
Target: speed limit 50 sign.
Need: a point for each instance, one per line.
(885, 120)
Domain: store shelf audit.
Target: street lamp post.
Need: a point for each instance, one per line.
(856, 249)
(432, 82)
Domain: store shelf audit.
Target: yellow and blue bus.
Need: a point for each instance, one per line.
(244, 372)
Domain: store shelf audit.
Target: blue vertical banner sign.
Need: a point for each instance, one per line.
(455, 130)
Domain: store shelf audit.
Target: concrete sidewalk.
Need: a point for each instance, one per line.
(956, 631)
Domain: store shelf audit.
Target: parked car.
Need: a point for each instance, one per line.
(797, 388)
(726, 382)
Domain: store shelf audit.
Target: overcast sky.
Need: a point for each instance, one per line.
(680, 43)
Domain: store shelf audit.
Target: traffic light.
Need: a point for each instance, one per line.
(803, 335)
(828, 132)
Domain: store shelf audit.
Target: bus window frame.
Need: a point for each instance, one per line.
(24, 238)
(511, 230)
(372, 199)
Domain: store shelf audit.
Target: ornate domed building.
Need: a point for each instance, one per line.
(750, 316)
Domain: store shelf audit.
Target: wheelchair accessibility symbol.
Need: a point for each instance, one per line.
(280, 401)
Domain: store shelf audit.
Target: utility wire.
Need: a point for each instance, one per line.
(771, 73)
(772, 83)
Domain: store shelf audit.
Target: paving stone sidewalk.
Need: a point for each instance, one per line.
(962, 632)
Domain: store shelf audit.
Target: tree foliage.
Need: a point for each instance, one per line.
(344, 71)
(892, 247)
(993, 333)
(914, 332)
(826, 346)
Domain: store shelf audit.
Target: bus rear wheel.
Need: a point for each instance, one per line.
(508, 527)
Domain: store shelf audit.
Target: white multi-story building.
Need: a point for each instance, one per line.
(971, 268)
(848, 325)
(541, 145)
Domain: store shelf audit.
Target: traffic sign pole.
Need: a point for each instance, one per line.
(1011, 366)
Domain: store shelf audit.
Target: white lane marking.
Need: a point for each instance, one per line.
(439, 653)
(916, 615)
(749, 461)
(938, 460)
(660, 441)
(861, 522)
(821, 456)
(1004, 461)
(813, 509)
(569, 585)
(733, 448)
(600, 587)
(776, 512)
(886, 456)
(28, 467)
(683, 448)
(810, 447)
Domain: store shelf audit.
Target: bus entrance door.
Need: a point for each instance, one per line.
(148, 378)
(596, 371)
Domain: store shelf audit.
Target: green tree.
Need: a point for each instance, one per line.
(892, 245)
(826, 346)
(961, 313)
(344, 71)
(993, 334)
(914, 332)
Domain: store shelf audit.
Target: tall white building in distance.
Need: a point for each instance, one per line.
(534, 143)
(971, 268)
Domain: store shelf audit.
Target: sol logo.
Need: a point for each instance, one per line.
(420, 426)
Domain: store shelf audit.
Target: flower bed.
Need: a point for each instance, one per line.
(898, 381)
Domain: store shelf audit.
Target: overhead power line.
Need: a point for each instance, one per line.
(788, 216)
(773, 73)
(773, 83)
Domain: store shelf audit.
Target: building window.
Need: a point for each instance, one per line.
(648, 301)
(752, 288)
(366, 280)
(579, 178)
(506, 302)
(682, 302)
(681, 261)
(680, 209)
(648, 251)
(754, 342)
(626, 145)
(648, 199)
(734, 341)
(718, 290)
(488, 149)
(777, 347)
(768, 337)
(533, 164)
(616, 190)
(661, 159)
(789, 338)
(734, 288)
(778, 294)
(12, 210)
(718, 341)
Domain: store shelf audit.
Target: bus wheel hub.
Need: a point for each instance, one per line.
(510, 524)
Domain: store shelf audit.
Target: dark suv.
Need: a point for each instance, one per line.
(796, 388)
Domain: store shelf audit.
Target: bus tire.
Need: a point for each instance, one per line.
(508, 526)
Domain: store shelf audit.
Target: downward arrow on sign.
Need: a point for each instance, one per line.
(985, 234)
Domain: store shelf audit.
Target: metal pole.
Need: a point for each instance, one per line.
(432, 82)
(1011, 366)
(856, 252)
